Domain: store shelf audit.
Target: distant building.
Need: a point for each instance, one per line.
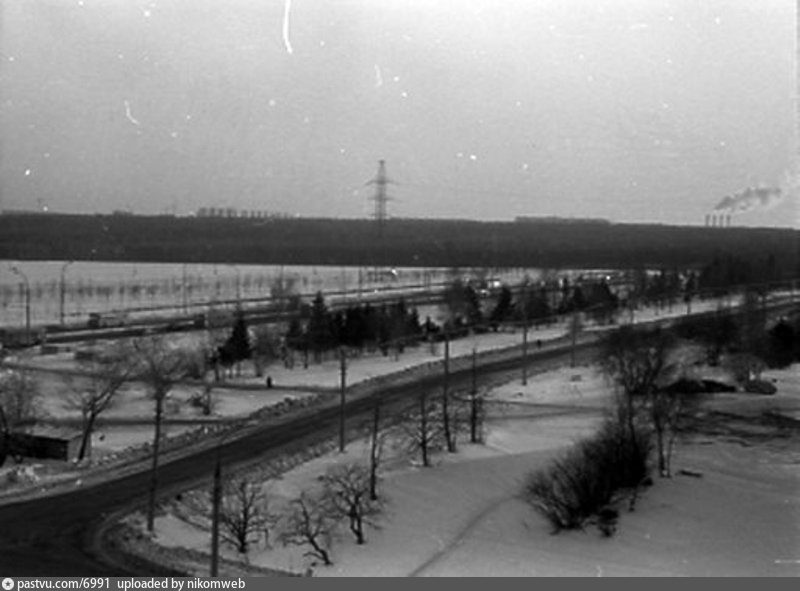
(232, 212)
(551, 219)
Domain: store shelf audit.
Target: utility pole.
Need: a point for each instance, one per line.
(446, 395)
(525, 335)
(374, 451)
(183, 290)
(27, 296)
(573, 329)
(342, 389)
(473, 423)
(62, 291)
(151, 502)
(216, 500)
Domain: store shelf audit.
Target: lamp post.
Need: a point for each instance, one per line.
(238, 285)
(61, 292)
(17, 271)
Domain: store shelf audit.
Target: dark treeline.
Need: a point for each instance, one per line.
(403, 242)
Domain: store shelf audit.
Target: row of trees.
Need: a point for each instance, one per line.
(246, 514)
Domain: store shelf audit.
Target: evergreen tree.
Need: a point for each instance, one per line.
(319, 327)
(238, 344)
(502, 308)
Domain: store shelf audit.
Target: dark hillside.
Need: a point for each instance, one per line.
(403, 242)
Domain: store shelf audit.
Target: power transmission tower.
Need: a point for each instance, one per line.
(381, 198)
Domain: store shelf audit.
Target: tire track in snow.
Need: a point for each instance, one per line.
(460, 536)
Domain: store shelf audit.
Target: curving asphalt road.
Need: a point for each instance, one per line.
(57, 535)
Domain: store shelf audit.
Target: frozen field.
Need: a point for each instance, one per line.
(99, 287)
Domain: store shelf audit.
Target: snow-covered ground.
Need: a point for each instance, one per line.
(462, 517)
(129, 422)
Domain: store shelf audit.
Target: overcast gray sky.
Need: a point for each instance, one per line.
(632, 110)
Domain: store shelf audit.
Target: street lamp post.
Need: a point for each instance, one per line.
(62, 291)
(238, 285)
(17, 271)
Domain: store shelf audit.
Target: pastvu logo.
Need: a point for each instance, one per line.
(8, 584)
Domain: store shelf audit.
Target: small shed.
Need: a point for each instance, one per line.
(47, 441)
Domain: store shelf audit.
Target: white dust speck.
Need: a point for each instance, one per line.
(130, 117)
(46, 154)
(473, 157)
(342, 151)
(525, 166)
(27, 172)
(396, 78)
(272, 102)
(147, 13)
(378, 76)
(188, 117)
(717, 20)
(404, 94)
(11, 58)
(173, 134)
(722, 144)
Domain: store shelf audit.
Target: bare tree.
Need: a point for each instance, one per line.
(95, 393)
(265, 348)
(244, 515)
(637, 359)
(575, 327)
(160, 366)
(310, 523)
(347, 489)
(422, 429)
(669, 409)
(19, 404)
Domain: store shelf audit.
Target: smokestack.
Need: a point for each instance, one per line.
(713, 220)
(728, 220)
(708, 220)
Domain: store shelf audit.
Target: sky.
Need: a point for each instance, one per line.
(629, 110)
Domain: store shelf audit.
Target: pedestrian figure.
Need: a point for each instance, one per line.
(269, 382)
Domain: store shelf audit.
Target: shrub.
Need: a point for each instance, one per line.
(586, 480)
(760, 387)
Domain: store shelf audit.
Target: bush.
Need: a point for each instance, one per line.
(587, 479)
(760, 387)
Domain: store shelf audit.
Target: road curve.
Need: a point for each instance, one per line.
(54, 535)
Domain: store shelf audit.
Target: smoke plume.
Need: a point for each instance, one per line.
(761, 198)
